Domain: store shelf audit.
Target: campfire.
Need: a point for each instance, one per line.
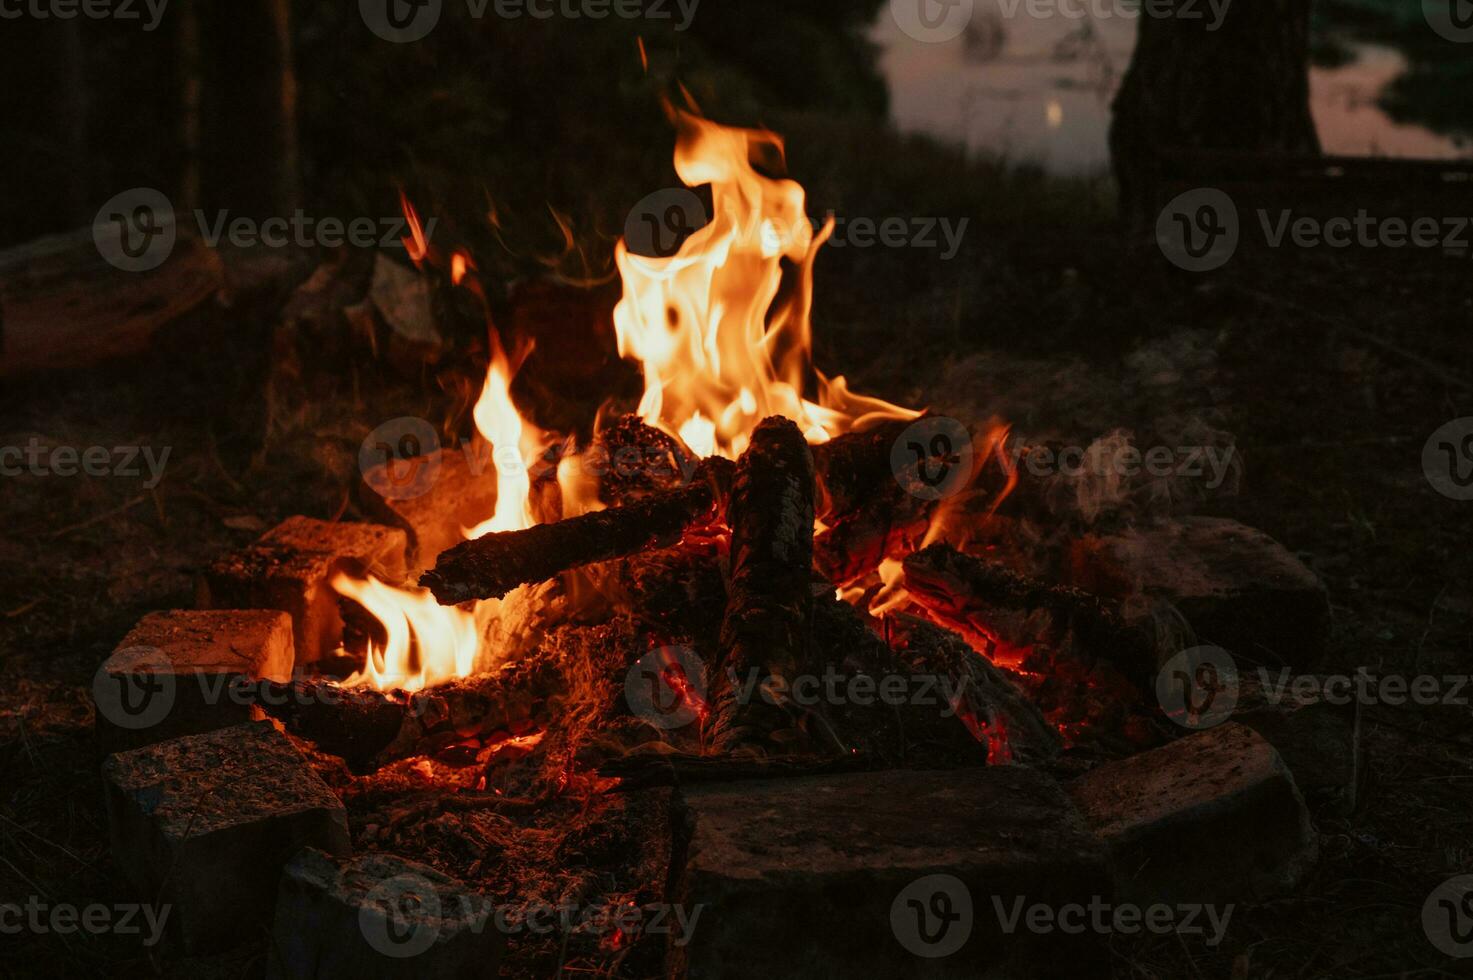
(746, 575)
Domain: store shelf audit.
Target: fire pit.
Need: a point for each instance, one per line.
(748, 664)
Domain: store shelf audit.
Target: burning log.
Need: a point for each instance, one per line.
(368, 729)
(769, 598)
(890, 525)
(985, 599)
(493, 565)
(853, 467)
(993, 708)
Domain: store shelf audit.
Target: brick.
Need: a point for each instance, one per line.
(1319, 740)
(806, 877)
(170, 675)
(205, 823)
(1237, 587)
(380, 916)
(1211, 818)
(453, 497)
(289, 569)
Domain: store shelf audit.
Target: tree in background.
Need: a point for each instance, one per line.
(1243, 86)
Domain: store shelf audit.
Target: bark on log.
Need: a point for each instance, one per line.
(992, 707)
(493, 565)
(769, 596)
(985, 599)
(888, 526)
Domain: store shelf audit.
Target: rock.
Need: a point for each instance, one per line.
(1318, 739)
(1237, 587)
(1214, 817)
(204, 824)
(889, 874)
(380, 916)
(458, 490)
(289, 569)
(171, 675)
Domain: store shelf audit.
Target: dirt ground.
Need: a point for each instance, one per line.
(1331, 369)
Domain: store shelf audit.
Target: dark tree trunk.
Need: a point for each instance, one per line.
(1243, 86)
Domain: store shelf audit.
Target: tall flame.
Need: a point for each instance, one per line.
(513, 445)
(722, 327)
(723, 332)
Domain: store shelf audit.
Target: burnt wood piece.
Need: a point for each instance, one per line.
(889, 525)
(986, 599)
(493, 565)
(368, 729)
(857, 478)
(853, 467)
(992, 706)
(635, 460)
(769, 599)
(951, 708)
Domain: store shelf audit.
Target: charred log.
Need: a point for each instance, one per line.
(769, 599)
(493, 565)
(635, 460)
(368, 729)
(985, 600)
(991, 706)
(890, 525)
(948, 705)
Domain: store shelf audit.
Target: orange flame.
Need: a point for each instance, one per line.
(722, 327)
(723, 331)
